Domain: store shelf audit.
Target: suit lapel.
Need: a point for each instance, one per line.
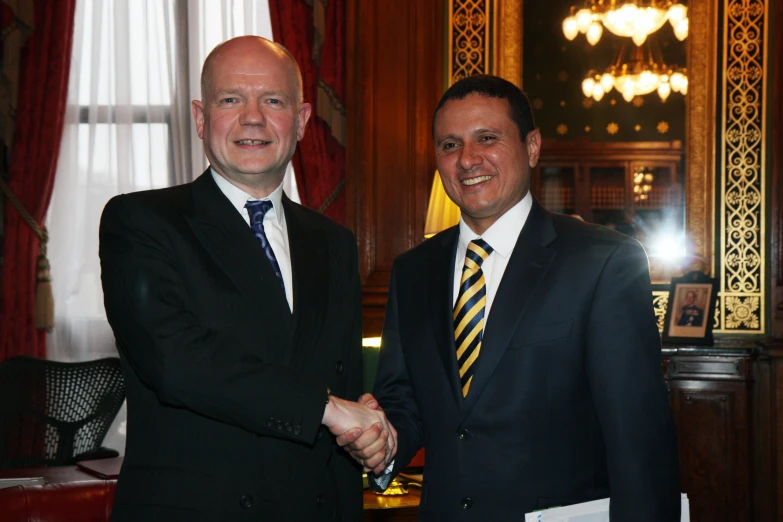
(230, 241)
(440, 281)
(529, 263)
(310, 270)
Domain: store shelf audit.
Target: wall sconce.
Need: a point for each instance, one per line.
(442, 213)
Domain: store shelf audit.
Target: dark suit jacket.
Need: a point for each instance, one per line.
(568, 402)
(226, 387)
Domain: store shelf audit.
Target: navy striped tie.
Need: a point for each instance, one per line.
(257, 210)
(469, 311)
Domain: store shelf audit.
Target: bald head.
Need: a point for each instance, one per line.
(247, 44)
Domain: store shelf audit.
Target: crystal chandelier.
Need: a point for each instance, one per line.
(635, 19)
(637, 72)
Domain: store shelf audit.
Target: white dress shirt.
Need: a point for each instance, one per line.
(502, 237)
(274, 226)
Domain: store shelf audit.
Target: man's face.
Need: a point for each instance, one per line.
(250, 120)
(690, 298)
(483, 162)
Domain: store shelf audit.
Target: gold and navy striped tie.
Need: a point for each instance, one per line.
(469, 311)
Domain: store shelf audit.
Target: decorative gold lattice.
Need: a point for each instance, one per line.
(660, 302)
(742, 157)
(469, 39)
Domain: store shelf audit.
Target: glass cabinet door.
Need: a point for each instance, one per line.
(558, 189)
(608, 196)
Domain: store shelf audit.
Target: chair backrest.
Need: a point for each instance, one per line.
(52, 411)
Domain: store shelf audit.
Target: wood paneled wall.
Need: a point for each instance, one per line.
(394, 60)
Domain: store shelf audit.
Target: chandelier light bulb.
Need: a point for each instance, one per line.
(677, 13)
(569, 28)
(587, 86)
(598, 92)
(677, 81)
(583, 19)
(639, 38)
(684, 88)
(607, 81)
(681, 30)
(664, 89)
(594, 33)
(648, 177)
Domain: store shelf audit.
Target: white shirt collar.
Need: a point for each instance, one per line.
(502, 234)
(239, 197)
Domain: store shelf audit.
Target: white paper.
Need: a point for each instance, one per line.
(25, 481)
(593, 511)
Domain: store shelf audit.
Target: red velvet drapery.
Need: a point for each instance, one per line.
(315, 35)
(45, 61)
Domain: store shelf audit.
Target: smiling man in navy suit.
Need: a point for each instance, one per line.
(520, 347)
(237, 316)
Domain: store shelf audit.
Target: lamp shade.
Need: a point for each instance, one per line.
(442, 213)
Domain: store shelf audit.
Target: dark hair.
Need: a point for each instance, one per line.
(493, 87)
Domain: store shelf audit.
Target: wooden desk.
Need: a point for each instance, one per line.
(69, 494)
(378, 508)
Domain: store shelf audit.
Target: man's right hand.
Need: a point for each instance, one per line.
(374, 448)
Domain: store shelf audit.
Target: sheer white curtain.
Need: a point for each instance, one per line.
(135, 69)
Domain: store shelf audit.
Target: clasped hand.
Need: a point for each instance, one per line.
(363, 430)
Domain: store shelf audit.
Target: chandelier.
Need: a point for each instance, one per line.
(637, 72)
(635, 19)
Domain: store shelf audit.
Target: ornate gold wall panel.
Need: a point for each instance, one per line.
(470, 38)
(743, 235)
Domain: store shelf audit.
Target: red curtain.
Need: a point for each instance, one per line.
(315, 35)
(45, 61)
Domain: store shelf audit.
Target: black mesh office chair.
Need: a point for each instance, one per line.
(54, 413)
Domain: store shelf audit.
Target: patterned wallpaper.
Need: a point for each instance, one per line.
(553, 69)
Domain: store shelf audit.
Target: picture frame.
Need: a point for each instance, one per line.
(691, 309)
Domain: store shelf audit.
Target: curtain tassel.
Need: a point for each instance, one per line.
(44, 299)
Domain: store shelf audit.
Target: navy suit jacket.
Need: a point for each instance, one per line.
(226, 387)
(568, 402)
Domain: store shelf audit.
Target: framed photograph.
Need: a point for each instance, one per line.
(691, 309)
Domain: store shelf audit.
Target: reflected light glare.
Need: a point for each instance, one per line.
(668, 246)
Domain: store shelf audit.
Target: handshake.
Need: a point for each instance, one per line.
(363, 430)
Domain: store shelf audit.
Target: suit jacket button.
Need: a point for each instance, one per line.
(246, 501)
(270, 422)
(338, 367)
(464, 434)
(297, 430)
(279, 425)
(288, 427)
(466, 503)
(320, 501)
